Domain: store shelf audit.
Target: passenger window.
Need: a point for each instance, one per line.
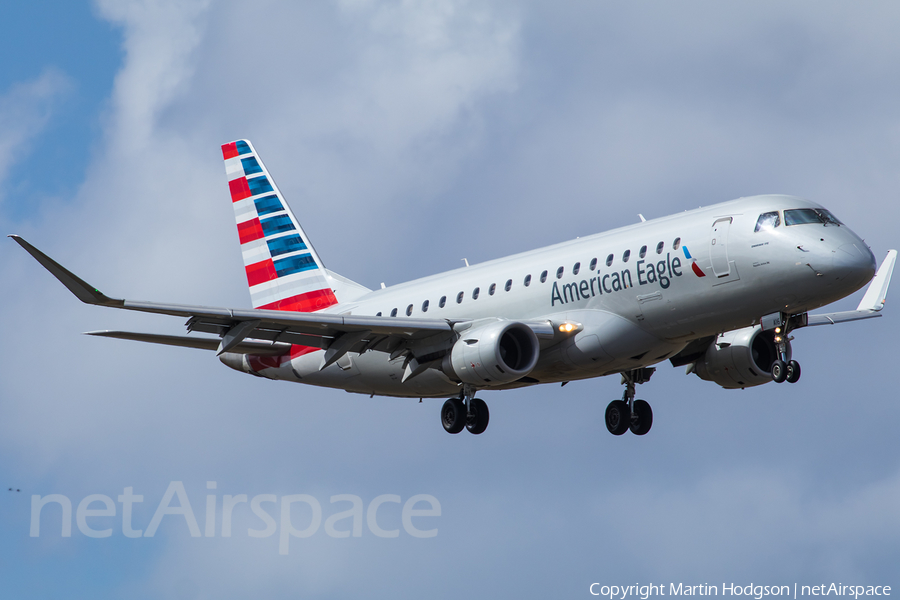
(593, 264)
(543, 276)
(394, 313)
(425, 306)
(609, 260)
(576, 268)
(492, 289)
(659, 247)
(459, 298)
(475, 293)
(442, 302)
(527, 280)
(559, 272)
(409, 310)
(626, 255)
(676, 244)
(769, 220)
(509, 285)
(643, 252)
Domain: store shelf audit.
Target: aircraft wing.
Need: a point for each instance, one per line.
(871, 304)
(202, 343)
(337, 334)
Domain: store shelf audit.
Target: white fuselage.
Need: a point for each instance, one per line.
(645, 308)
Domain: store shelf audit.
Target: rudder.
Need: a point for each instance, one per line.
(283, 270)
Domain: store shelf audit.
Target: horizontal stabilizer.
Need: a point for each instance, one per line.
(258, 348)
(872, 302)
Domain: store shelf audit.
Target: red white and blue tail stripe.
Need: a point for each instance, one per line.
(283, 270)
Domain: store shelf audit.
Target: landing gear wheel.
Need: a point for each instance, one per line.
(643, 420)
(478, 422)
(779, 371)
(793, 372)
(618, 417)
(453, 415)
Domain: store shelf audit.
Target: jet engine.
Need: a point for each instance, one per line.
(740, 358)
(493, 354)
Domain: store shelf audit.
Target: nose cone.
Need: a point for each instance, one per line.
(854, 265)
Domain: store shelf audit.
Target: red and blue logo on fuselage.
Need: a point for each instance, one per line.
(697, 271)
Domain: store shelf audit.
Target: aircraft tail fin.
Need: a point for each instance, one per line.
(284, 271)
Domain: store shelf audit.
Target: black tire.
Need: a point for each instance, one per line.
(793, 372)
(479, 421)
(453, 415)
(618, 417)
(644, 420)
(779, 371)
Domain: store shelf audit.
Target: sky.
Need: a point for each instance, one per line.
(407, 136)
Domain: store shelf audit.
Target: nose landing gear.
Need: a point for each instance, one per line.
(783, 369)
(628, 413)
(793, 372)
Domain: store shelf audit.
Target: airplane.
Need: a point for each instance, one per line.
(717, 289)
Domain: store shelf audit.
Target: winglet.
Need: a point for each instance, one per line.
(876, 294)
(82, 290)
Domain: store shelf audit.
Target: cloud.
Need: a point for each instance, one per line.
(155, 196)
(25, 111)
(407, 135)
(751, 522)
(159, 38)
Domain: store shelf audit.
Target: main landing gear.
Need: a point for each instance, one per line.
(466, 411)
(628, 413)
(783, 369)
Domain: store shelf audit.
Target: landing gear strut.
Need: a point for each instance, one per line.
(783, 369)
(465, 411)
(628, 413)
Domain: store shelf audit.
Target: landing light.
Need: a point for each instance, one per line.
(568, 327)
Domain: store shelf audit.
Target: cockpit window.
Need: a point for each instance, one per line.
(769, 220)
(802, 216)
(830, 219)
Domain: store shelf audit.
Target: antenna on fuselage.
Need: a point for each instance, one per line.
(466, 260)
(643, 220)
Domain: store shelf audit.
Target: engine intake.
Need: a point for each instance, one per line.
(740, 358)
(493, 354)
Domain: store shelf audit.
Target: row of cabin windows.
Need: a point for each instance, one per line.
(527, 282)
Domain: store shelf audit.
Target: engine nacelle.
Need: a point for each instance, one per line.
(493, 354)
(740, 358)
